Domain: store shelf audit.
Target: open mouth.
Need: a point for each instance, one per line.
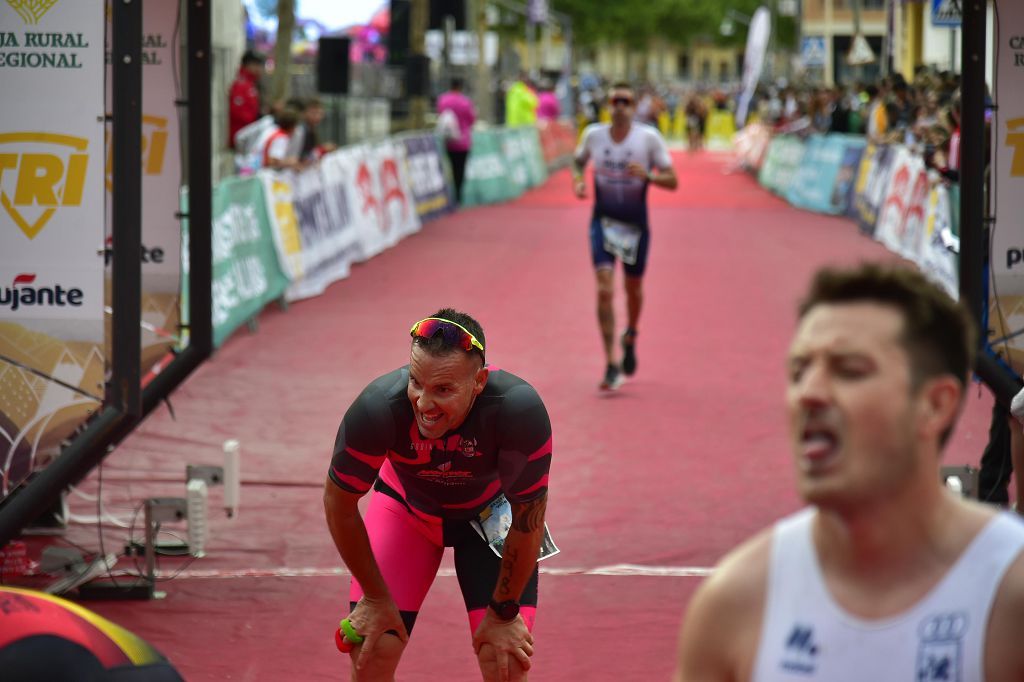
(432, 419)
(818, 442)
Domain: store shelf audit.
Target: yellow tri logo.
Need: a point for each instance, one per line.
(1015, 140)
(154, 147)
(40, 172)
(31, 11)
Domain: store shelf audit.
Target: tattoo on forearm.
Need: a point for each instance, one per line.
(530, 516)
(508, 563)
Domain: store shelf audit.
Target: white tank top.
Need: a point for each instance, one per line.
(617, 194)
(807, 636)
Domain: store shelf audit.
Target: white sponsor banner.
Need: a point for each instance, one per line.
(383, 206)
(901, 218)
(51, 167)
(326, 229)
(1008, 151)
(936, 259)
(278, 192)
(161, 158)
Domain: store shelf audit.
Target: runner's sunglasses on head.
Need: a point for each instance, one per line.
(454, 333)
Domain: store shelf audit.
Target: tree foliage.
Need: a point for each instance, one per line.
(638, 23)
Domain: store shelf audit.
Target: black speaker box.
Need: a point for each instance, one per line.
(417, 76)
(398, 33)
(332, 65)
(439, 9)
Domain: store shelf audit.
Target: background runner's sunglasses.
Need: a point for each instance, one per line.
(621, 101)
(453, 332)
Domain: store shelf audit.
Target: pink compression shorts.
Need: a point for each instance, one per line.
(408, 548)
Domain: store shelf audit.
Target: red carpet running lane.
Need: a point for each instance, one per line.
(649, 486)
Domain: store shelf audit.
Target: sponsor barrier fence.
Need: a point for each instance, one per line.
(885, 189)
(357, 202)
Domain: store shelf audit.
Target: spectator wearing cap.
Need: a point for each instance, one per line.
(244, 100)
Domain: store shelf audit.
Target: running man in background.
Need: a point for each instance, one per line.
(444, 441)
(886, 575)
(627, 158)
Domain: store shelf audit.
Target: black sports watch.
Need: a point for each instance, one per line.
(505, 610)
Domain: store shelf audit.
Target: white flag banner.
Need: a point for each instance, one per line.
(1008, 152)
(51, 167)
(758, 33)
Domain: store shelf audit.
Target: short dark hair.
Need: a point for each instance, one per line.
(438, 345)
(622, 85)
(457, 83)
(287, 119)
(253, 57)
(939, 334)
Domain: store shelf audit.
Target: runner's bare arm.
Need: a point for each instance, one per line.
(349, 535)
(1004, 657)
(579, 186)
(722, 627)
(377, 612)
(664, 178)
(521, 548)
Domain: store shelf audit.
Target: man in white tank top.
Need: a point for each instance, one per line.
(886, 575)
(627, 157)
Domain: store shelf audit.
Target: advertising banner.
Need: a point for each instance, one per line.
(383, 205)
(936, 259)
(534, 155)
(751, 145)
(327, 234)
(846, 180)
(51, 228)
(814, 181)
(161, 178)
(558, 141)
(901, 217)
(517, 171)
(1008, 151)
(431, 192)
(872, 183)
(781, 162)
(720, 130)
(246, 271)
(487, 179)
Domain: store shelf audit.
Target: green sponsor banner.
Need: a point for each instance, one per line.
(512, 151)
(536, 168)
(487, 173)
(246, 273)
(781, 163)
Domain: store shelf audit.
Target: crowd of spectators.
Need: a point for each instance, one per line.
(923, 114)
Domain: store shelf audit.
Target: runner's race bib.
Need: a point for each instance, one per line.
(622, 240)
(494, 521)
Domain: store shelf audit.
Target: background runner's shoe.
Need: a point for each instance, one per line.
(629, 352)
(612, 378)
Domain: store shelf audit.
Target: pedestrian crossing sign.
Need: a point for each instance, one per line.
(812, 51)
(946, 13)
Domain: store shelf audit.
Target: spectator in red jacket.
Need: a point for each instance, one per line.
(244, 104)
